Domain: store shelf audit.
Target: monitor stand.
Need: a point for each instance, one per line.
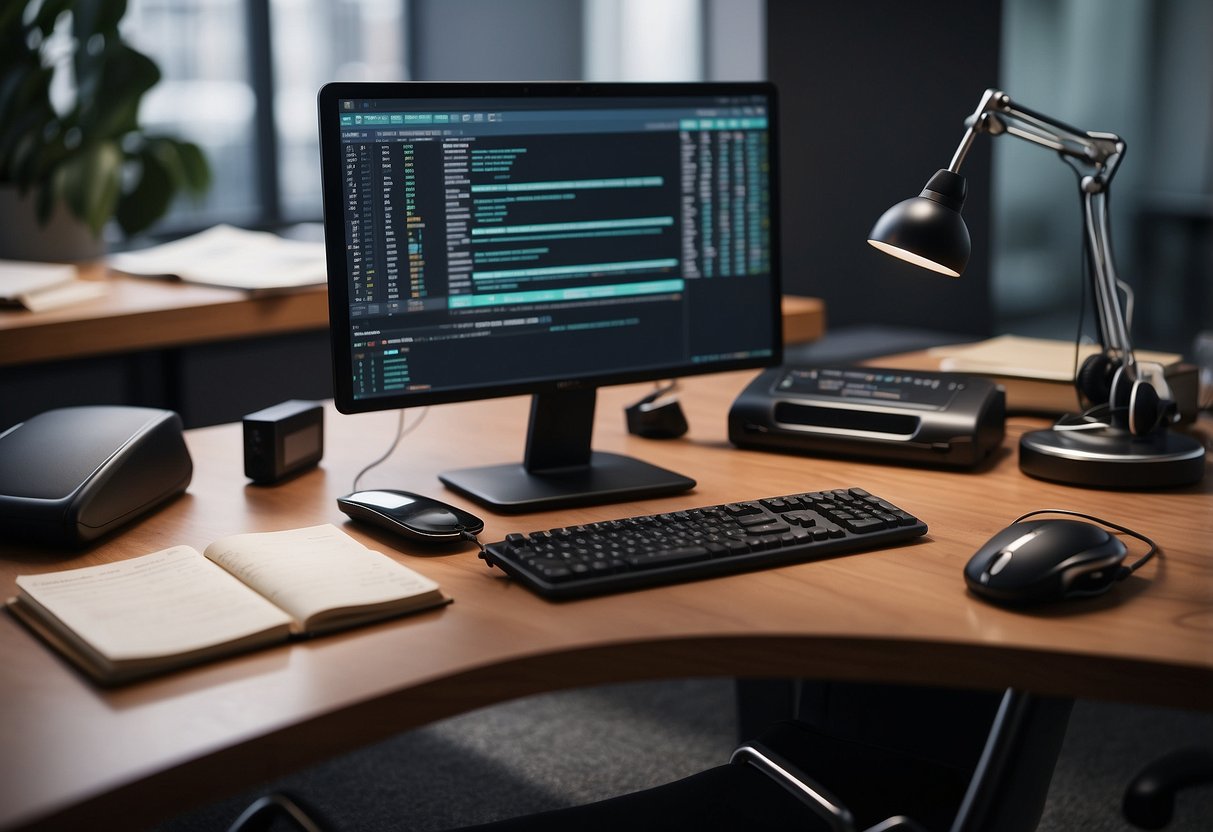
(559, 469)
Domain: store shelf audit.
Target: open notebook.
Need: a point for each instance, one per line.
(176, 607)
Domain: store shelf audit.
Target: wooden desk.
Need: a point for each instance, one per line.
(139, 314)
(78, 756)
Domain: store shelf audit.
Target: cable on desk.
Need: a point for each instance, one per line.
(401, 432)
(467, 535)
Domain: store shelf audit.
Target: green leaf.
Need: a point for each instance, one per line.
(31, 157)
(193, 162)
(20, 141)
(48, 14)
(90, 19)
(14, 83)
(151, 196)
(50, 194)
(23, 90)
(184, 162)
(92, 16)
(111, 106)
(93, 183)
(10, 18)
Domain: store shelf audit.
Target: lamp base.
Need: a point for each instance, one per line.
(1112, 458)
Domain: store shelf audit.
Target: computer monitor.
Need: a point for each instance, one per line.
(547, 238)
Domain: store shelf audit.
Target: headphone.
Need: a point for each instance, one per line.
(1136, 397)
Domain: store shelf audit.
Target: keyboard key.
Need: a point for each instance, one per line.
(663, 558)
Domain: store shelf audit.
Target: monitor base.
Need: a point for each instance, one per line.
(609, 478)
(1112, 458)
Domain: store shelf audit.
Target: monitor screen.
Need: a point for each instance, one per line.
(495, 239)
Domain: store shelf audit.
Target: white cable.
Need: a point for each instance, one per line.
(401, 432)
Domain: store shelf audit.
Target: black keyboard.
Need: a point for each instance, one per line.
(617, 555)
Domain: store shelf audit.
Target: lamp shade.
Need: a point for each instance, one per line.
(928, 230)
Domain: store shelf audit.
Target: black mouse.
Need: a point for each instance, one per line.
(1046, 560)
(411, 515)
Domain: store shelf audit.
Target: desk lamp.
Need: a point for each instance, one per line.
(1122, 441)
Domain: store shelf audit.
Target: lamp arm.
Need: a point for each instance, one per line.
(1094, 157)
(1113, 327)
(996, 114)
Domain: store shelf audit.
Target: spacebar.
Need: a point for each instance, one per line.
(686, 554)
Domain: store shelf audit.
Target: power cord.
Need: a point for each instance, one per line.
(1132, 567)
(401, 432)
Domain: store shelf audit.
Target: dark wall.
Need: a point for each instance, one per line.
(873, 96)
(206, 384)
(485, 40)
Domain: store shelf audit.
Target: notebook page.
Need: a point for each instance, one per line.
(169, 602)
(310, 570)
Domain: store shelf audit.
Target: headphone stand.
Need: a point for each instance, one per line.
(1112, 458)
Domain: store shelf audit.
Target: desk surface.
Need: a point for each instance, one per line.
(74, 752)
(147, 313)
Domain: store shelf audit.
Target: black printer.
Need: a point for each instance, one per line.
(888, 415)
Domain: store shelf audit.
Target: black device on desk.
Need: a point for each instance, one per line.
(411, 515)
(1044, 560)
(71, 475)
(888, 415)
(283, 440)
(1033, 561)
(636, 552)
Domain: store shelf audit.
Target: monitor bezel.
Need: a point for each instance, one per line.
(328, 108)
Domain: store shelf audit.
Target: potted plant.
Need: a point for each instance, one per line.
(81, 157)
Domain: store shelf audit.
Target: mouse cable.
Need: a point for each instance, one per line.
(1133, 567)
(400, 434)
(467, 535)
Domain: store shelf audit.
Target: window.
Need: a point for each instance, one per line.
(240, 79)
(1155, 94)
(205, 96)
(317, 41)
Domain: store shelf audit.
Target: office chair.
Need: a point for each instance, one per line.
(1149, 801)
(793, 776)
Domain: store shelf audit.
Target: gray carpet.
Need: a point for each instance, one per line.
(563, 749)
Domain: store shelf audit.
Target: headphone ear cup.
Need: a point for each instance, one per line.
(1154, 374)
(1145, 408)
(1119, 397)
(1094, 379)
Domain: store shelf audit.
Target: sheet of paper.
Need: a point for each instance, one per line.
(171, 601)
(18, 277)
(66, 294)
(232, 257)
(1017, 356)
(42, 286)
(306, 571)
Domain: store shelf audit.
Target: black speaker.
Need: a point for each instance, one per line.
(70, 475)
